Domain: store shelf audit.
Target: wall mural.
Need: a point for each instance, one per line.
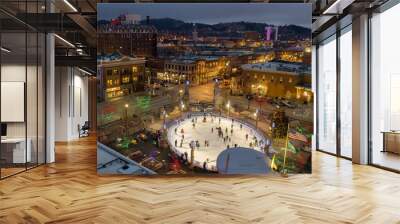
(214, 89)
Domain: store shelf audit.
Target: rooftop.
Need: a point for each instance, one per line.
(117, 58)
(278, 66)
(193, 59)
(126, 28)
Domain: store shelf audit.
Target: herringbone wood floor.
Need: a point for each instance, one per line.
(69, 191)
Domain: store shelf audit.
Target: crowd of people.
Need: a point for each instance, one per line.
(224, 133)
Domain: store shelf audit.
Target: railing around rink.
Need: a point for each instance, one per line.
(173, 123)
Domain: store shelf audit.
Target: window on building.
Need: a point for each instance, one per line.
(125, 79)
(115, 71)
(109, 82)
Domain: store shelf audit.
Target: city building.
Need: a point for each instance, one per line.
(129, 39)
(277, 79)
(198, 70)
(120, 75)
(155, 66)
(130, 19)
(294, 54)
(270, 35)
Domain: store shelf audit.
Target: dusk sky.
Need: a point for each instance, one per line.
(213, 13)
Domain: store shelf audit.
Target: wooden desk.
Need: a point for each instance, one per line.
(391, 141)
(13, 150)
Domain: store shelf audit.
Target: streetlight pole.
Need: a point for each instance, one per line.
(215, 91)
(164, 113)
(228, 105)
(182, 106)
(256, 117)
(126, 119)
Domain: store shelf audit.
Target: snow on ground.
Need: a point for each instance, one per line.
(202, 131)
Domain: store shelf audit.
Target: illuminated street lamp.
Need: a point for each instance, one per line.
(256, 117)
(215, 91)
(182, 106)
(228, 105)
(126, 119)
(165, 115)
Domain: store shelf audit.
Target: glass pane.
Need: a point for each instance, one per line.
(13, 87)
(31, 97)
(385, 84)
(346, 94)
(327, 96)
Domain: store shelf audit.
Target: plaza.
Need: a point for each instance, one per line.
(209, 134)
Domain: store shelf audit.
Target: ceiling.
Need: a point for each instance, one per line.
(72, 20)
(75, 21)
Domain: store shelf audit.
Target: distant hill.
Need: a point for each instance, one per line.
(234, 28)
(103, 22)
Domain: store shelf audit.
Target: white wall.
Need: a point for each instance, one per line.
(71, 102)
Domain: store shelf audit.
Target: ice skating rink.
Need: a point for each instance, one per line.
(202, 132)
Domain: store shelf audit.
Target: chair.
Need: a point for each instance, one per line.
(84, 130)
